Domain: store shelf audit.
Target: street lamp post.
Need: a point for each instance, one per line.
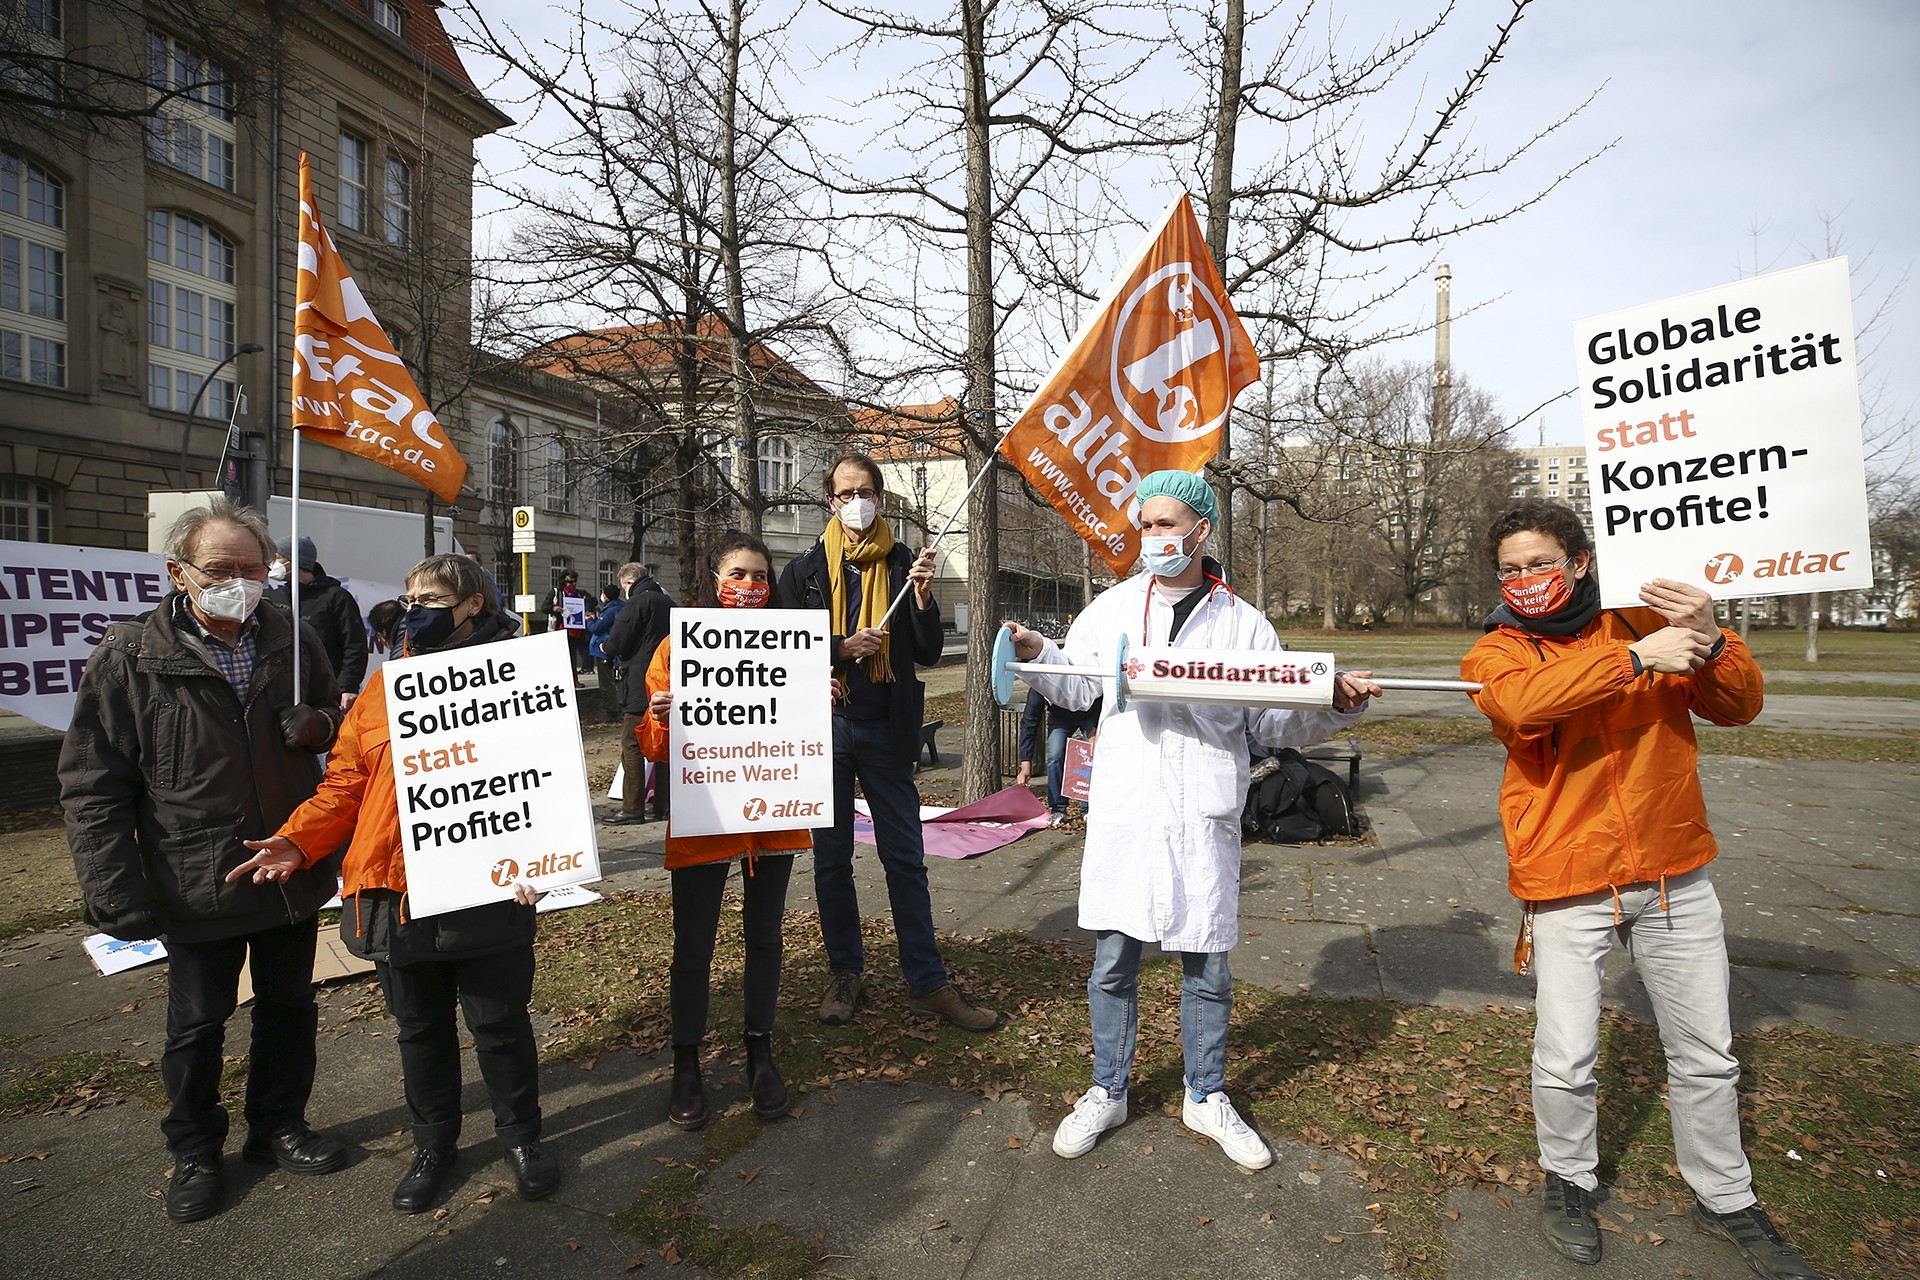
(186, 430)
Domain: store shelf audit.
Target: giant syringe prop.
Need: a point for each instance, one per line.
(1271, 678)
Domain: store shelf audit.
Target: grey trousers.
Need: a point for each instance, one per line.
(1681, 955)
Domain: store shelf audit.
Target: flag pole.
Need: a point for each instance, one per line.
(293, 570)
(992, 455)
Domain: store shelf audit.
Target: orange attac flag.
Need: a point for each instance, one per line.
(350, 388)
(1146, 387)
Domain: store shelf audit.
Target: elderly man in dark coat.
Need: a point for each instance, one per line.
(187, 739)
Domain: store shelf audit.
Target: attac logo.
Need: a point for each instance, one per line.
(1724, 568)
(1172, 356)
(758, 810)
(505, 872)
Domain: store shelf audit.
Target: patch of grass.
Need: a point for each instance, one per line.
(38, 921)
(1842, 689)
(1866, 866)
(1791, 966)
(77, 1082)
(1395, 736)
(1421, 1100)
(1768, 744)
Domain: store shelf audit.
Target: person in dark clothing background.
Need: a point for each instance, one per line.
(1041, 721)
(329, 609)
(636, 633)
(186, 740)
(856, 570)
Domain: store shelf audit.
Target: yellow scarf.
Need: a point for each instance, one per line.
(870, 553)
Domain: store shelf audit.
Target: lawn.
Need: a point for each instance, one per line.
(1422, 1100)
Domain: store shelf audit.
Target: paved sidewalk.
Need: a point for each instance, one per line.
(1820, 870)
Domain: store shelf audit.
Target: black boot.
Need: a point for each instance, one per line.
(769, 1091)
(687, 1101)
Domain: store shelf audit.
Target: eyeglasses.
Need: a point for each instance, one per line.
(218, 574)
(1507, 573)
(848, 495)
(428, 602)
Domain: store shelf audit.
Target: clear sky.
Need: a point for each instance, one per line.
(1725, 116)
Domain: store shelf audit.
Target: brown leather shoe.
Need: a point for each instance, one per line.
(842, 998)
(770, 1099)
(951, 1003)
(687, 1100)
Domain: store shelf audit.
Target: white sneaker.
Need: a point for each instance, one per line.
(1092, 1116)
(1217, 1119)
(1057, 819)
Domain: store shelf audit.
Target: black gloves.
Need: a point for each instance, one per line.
(305, 728)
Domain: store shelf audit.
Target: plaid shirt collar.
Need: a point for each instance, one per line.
(234, 661)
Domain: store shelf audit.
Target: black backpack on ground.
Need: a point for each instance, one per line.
(1292, 800)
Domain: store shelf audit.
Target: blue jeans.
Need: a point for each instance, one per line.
(1113, 996)
(865, 749)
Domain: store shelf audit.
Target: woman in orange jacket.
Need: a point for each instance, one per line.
(1607, 837)
(479, 959)
(741, 577)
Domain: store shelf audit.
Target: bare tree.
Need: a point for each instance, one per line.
(1312, 230)
(662, 247)
(1007, 94)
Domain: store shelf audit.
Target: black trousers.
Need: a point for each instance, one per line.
(203, 988)
(696, 922)
(492, 992)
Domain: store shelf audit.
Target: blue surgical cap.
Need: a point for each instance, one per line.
(1183, 486)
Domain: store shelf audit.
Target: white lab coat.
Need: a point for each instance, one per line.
(1162, 861)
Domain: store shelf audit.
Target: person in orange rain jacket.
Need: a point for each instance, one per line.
(741, 577)
(479, 958)
(1606, 833)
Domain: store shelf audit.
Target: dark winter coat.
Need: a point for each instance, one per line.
(165, 770)
(636, 633)
(914, 633)
(334, 615)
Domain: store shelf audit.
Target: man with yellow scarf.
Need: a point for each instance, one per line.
(855, 571)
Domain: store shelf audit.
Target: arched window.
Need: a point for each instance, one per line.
(33, 274)
(501, 481)
(776, 466)
(190, 308)
(557, 496)
(193, 131)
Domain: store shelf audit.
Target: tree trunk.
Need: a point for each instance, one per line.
(1226, 126)
(1813, 627)
(980, 754)
(1326, 612)
(745, 444)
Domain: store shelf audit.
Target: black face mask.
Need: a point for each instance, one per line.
(427, 627)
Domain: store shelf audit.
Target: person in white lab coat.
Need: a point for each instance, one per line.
(1162, 861)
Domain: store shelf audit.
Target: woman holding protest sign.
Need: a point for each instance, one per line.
(740, 576)
(479, 958)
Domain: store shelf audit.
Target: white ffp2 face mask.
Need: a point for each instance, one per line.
(232, 601)
(858, 513)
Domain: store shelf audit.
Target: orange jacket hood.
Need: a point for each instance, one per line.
(1602, 784)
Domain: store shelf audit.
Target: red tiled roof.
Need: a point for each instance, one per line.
(650, 350)
(895, 432)
(425, 35)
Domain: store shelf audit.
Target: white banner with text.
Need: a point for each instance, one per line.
(490, 772)
(1723, 439)
(750, 737)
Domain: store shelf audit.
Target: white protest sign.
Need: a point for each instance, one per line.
(489, 771)
(111, 955)
(573, 612)
(1723, 439)
(750, 736)
(55, 603)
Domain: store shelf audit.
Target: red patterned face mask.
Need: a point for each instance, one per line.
(742, 593)
(1536, 595)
